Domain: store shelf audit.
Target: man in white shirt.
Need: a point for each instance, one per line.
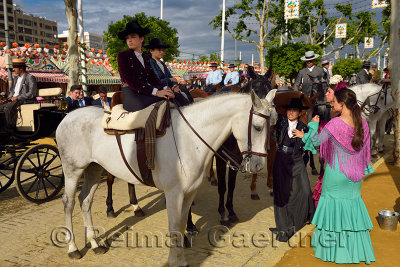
(24, 90)
(214, 77)
(231, 79)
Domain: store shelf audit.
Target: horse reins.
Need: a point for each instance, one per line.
(249, 152)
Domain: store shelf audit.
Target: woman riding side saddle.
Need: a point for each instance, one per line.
(140, 85)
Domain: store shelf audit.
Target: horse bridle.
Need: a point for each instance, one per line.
(249, 151)
(232, 163)
(373, 108)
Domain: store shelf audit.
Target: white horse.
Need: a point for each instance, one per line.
(80, 133)
(377, 104)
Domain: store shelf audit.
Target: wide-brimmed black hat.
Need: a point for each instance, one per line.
(295, 103)
(366, 64)
(156, 43)
(231, 65)
(131, 28)
(213, 64)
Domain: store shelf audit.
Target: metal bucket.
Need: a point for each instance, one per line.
(388, 220)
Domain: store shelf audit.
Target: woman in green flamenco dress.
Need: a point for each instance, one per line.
(342, 222)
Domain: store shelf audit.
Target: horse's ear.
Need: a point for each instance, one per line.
(255, 100)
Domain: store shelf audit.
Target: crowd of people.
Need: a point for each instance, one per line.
(342, 140)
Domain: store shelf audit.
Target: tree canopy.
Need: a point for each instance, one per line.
(238, 26)
(285, 59)
(158, 29)
(346, 67)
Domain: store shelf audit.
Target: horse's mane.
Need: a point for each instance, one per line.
(375, 88)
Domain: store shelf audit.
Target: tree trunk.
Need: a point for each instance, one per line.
(73, 53)
(261, 48)
(394, 67)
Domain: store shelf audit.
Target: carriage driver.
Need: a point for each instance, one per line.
(23, 91)
(140, 85)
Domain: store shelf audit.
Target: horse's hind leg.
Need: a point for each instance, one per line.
(71, 175)
(221, 172)
(253, 187)
(91, 181)
(211, 176)
(190, 227)
(109, 201)
(229, 201)
(133, 201)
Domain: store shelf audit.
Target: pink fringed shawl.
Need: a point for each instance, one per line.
(336, 139)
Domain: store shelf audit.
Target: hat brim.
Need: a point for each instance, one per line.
(156, 46)
(282, 99)
(142, 32)
(309, 59)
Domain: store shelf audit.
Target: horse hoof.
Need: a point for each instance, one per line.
(271, 193)
(209, 178)
(75, 255)
(314, 172)
(192, 230)
(255, 197)
(100, 250)
(214, 183)
(233, 218)
(226, 223)
(186, 242)
(111, 214)
(139, 213)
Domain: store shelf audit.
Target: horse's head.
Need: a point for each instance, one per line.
(261, 84)
(252, 131)
(319, 86)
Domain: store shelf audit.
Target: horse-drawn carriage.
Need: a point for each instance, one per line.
(35, 167)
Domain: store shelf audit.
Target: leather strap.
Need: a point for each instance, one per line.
(201, 139)
(142, 158)
(118, 137)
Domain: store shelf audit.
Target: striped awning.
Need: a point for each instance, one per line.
(94, 79)
(41, 76)
(178, 72)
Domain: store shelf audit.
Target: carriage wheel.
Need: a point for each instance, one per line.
(39, 173)
(7, 167)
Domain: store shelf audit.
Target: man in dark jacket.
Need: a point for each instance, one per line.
(73, 97)
(103, 100)
(364, 76)
(303, 77)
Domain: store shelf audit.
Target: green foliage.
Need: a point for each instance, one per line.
(285, 59)
(158, 29)
(215, 57)
(203, 58)
(346, 67)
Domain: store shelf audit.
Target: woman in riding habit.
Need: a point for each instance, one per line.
(140, 85)
(293, 203)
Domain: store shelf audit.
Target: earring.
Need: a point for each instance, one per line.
(341, 110)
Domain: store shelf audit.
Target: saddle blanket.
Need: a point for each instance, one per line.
(120, 119)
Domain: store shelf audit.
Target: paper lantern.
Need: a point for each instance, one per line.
(101, 51)
(56, 47)
(27, 45)
(3, 44)
(36, 46)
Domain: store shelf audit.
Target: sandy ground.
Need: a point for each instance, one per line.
(380, 190)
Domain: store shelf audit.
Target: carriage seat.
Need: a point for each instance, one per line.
(47, 92)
